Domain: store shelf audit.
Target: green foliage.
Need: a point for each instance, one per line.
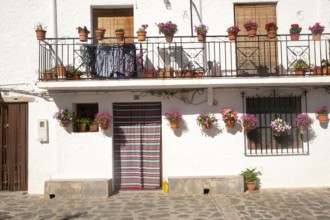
(300, 64)
(250, 175)
(119, 30)
(83, 121)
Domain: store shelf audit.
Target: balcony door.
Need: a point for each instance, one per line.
(111, 19)
(257, 55)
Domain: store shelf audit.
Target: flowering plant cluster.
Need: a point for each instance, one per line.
(64, 114)
(316, 28)
(201, 29)
(84, 29)
(250, 24)
(295, 29)
(249, 122)
(167, 28)
(233, 29)
(206, 120)
(323, 110)
(173, 116)
(279, 125)
(102, 117)
(271, 26)
(228, 114)
(303, 120)
(143, 27)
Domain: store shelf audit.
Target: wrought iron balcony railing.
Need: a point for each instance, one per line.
(68, 58)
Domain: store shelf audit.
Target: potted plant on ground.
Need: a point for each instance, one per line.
(303, 121)
(168, 29)
(322, 114)
(83, 33)
(103, 119)
(99, 33)
(64, 117)
(300, 66)
(316, 30)
(82, 124)
(40, 31)
(250, 177)
(249, 122)
(279, 127)
(120, 33)
(201, 31)
(175, 118)
(142, 33)
(295, 32)
(206, 120)
(229, 117)
(232, 32)
(271, 28)
(251, 28)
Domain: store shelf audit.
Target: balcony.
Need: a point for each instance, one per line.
(183, 63)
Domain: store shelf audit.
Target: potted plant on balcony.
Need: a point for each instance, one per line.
(279, 127)
(295, 32)
(83, 33)
(325, 65)
(175, 118)
(99, 33)
(103, 119)
(303, 121)
(168, 29)
(316, 30)
(232, 32)
(249, 122)
(48, 74)
(64, 117)
(61, 71)
(120, 33)
(322, 114)
(300, 66)
(82, 124)
(75, 74)
(251, 28)
(40, 31)
(142, 33)
(206, 120)
(201, 31)
(250, 177)
(271, 28)
(229, 117)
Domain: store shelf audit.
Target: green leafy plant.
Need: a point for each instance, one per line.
(119, 30)
(201, 29)
(83, 121)
(300, 64)
(250, 175)
(84, 29)
(167, 28)
(295, 29)
(40, 27)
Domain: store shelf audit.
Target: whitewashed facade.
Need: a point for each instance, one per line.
(187, 152)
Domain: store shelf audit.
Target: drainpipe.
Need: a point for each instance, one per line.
(54, 17)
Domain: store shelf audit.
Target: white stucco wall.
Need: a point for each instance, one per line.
(89, 155)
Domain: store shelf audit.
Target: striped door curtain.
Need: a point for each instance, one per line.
(137, 145)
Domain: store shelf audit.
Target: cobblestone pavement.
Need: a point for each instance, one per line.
(304, 203)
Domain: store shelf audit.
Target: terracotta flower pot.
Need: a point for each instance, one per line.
(271, 34)
(316, 37)
(303, 129)
(174, 125)
(120, 36)
(251, 186)
(294, 37)
(93, 127)
(47, 76)
(65, 123)
(104, 126)
(99, 34)
(169, 37)
(252, 32)
(299, 72)
(61, 72)
(232, 35)
(83, 36)
(277, 133)
(82, 128)
(41, 35)
(323, 118)
(230, 124)
(141, 35)
(201, 38)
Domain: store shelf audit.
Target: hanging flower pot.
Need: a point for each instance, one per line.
(201, 31)
(99, 33)
(303, 129)
(174, 125)
(232, 36)
(251, 28)
(316, 30)
(229, 117)
(323, 118)
(141, 35)
(277, 133)
(249, 122)
(64, 117)
(252, 32)
(295, 30)
(271, 34)
(206, 120)
(303, 121)
(175, 118)
(294, 37)
(271, 28)
(104, 126)
(119, 34)
(201, 38)
(316, 37)
(40, 31)
(168, 29)
(232, 32)
(279, 127)
(103, 119)
(64, 123)
(230, 123)
(83, 33)
(169, 37)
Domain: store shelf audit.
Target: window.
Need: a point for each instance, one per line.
(85, 116)
(262, 141)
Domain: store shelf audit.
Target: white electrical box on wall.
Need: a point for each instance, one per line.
(43, 130)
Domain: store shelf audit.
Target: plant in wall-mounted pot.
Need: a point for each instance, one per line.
(295, 32)
(83, 33)
(99, 33)
(40, 31)
(168, 29)
(249, 122)
(251, 28)
(232, 32)
(251, 178)
(120, 33)
(201, 31)
(64, 117)
(229, 117)
(322, 114)
(303, 121)
(142, 33)
(103, 119)
(271, 28)
(279, 127)
(206, 120)
(175, 118)
(317, 31)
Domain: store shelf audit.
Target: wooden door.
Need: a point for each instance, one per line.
(13, 150)
(257, 55)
